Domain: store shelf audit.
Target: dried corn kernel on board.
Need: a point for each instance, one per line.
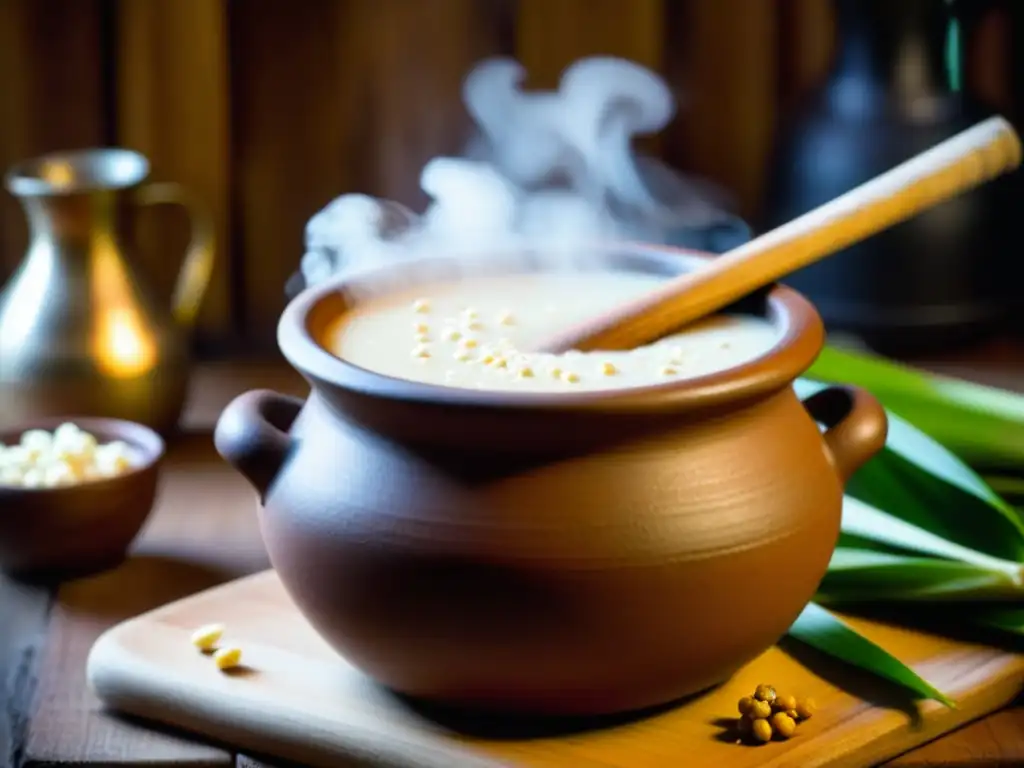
(293, 698)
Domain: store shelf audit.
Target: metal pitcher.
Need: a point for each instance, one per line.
(80, 332)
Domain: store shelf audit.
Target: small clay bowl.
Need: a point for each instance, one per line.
(51, 534)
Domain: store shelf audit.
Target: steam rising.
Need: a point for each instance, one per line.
(548, 169)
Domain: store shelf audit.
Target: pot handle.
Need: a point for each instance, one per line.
(855, 422)
(252, 435)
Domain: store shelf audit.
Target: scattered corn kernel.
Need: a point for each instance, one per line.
(463, 356)
(453, 334)
(226, 658)
(206, 637)
(769, 714)
(784, 702)
(759, 710)
(421, 305)
(761, 730)
(500, 362)
(609, 369)
(526, 372)
(765, 693)
(570, 377)
(421, 351)
(782, 725)
(470, 313)
(420, 328)
(668, 370)
(805, 708)
(506, 318)
(556, 372)
(469, 343)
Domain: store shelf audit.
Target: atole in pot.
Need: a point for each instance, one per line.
(551, 554)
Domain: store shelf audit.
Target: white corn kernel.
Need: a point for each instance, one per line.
(206, 637)
(227, 658)
(57, 474)
(33, 478)
(37, 440)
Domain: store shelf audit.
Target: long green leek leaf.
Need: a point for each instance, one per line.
(862, 576)
(864, 521)
(821, 630)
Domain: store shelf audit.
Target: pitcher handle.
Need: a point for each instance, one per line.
(197, 268)
(855, 425)
(252, 435)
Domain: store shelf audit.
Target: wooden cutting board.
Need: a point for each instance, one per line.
(295, 699)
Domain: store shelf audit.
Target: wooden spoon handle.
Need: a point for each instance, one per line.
(970, 158)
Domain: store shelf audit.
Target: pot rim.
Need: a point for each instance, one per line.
(802, 338)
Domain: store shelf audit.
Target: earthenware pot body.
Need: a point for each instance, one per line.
(551, 554)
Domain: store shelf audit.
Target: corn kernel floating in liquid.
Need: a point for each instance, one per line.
(67, 456)
(227, 658)
(421, 306)
(206, 637)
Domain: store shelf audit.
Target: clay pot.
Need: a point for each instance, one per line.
(551, 554)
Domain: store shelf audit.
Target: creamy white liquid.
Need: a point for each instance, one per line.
(470, 334)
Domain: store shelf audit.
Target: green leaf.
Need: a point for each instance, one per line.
(820, 629)
(865, 522)
(983, 425)
(1007, 619)
(859, 576)
(921, 482)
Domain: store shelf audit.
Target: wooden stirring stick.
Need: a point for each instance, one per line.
(970, 158)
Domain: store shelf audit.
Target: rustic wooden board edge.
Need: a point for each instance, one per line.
(113, 673)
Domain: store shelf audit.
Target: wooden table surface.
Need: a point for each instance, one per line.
(204, 532)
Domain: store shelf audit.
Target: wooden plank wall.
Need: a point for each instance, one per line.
(270, 108)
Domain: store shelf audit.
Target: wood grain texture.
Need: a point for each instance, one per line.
(202, 533)
(297, 700)
(173, 106)
(369, 96)
(724, 57)
(24, 617)
(46, 104)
